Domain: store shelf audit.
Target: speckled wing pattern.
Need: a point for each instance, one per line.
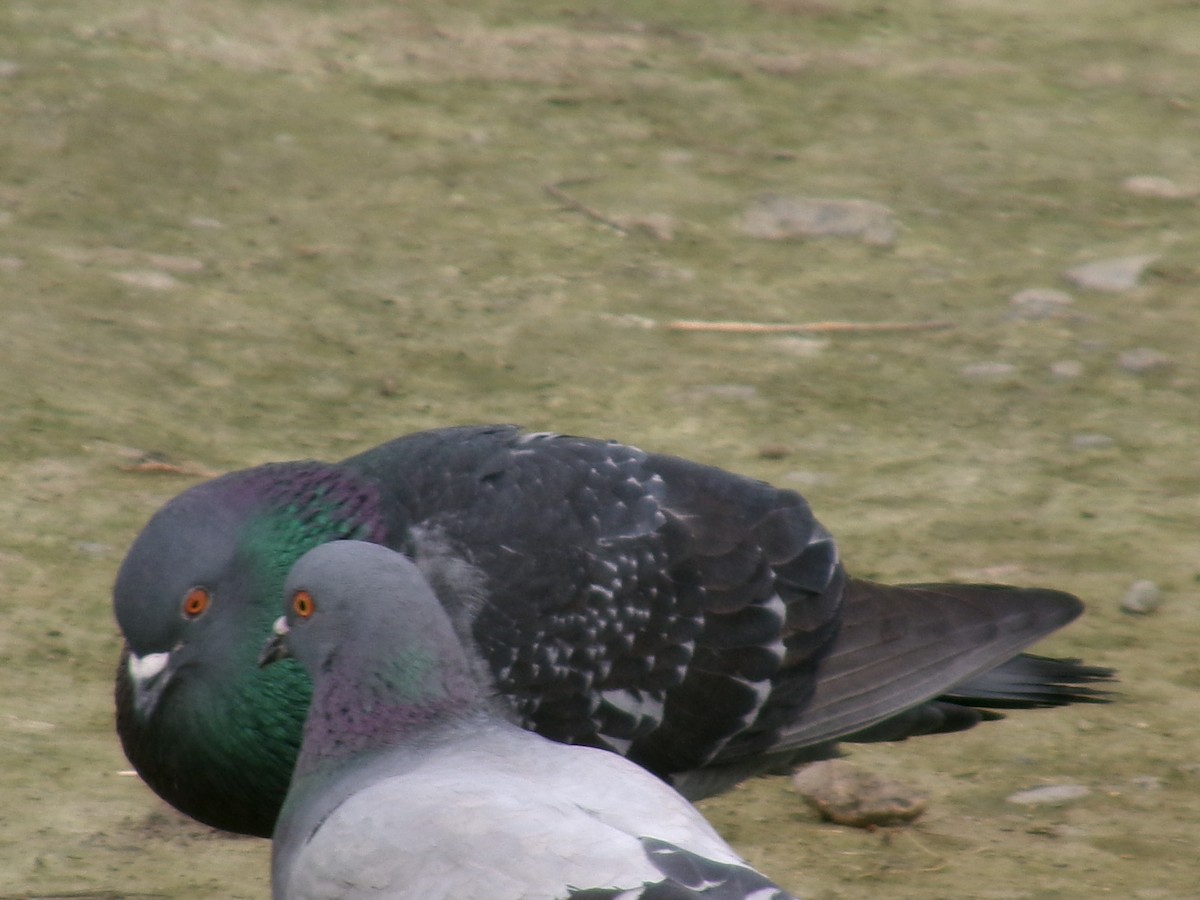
(633, 601)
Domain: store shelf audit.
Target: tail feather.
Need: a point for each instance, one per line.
(902, 647)
(1028, 681)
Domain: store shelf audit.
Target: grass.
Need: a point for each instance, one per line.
(237, 232)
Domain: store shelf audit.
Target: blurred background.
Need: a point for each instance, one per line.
(239, 231)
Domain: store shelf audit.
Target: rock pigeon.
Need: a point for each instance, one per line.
(411, 781)
(696, 621)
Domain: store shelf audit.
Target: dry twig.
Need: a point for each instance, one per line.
(556, 191)
(148, 465)
(803, 328)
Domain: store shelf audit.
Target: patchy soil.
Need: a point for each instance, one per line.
(235, 232)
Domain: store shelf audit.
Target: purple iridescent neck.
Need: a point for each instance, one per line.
(399, 703)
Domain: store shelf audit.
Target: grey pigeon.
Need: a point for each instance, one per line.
(412, 783)
(698, 622)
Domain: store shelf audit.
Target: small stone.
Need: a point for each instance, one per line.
(9, 69)
(844, 794)
(776, 218)
(801, 346)
(988, 370)
(1141, 598)
(1156, 187)
(809, 478)
(1144, 359)
(629, 320)
(172, 263)
(93, 548)
(773, 451)
(1091, 441)
(1112, 276)
(205, 222)
(1040, 303)
(155, 281)
(1066, 369)
(1147, 782)
(1054, 793)
(11, 263)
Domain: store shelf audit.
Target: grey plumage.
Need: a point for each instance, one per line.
(410, 783)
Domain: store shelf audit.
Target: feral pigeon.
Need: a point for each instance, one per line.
(412, 783)
(698, 622)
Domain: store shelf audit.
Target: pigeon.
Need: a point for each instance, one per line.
(412, 782)
(693, 620)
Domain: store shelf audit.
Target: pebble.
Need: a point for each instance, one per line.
(93, 548)
(774, 217)
(11, 263)
(9, 69)
(1091, 441)
(1066, 368)
(1141, 598)
(801, 346)
(809, 478)
(1112, 276)
(1156, 187)
(155, 281)
(988, 370)
(1053, 793)
(847, 795)
(1040, 303)
(1144, 359)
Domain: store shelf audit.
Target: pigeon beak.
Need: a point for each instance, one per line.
(275, 647)
(149, 675)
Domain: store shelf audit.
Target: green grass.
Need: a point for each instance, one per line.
(350, 200)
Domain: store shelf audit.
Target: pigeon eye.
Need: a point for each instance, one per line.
(303, 604)
(195, 603)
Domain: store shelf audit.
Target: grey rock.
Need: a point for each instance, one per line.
(1157, 187)
(149, 279)
(775, 218)
(1066, 369)
(1141, 360)
(1141, 597)
(801, 346)
(1040, 303)
(1091, 441)
(1112, 276)
(1050, 794)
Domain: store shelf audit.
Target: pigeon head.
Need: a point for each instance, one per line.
(194, 599)
(384, 658)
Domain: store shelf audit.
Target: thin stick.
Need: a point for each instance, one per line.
(556, 191)
(159, 467)
(811, 327)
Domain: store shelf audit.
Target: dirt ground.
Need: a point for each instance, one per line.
(235, 232)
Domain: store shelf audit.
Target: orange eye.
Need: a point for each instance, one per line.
(303, 604)
(195, 602)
